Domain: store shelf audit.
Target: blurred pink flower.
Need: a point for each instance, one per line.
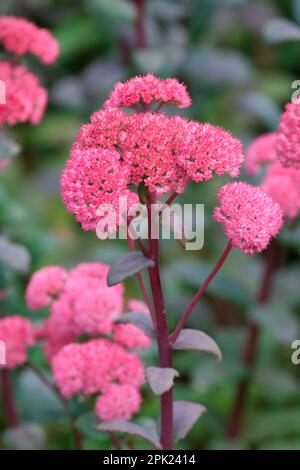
(131, 336)
(118, 402)
(26, 99)
(261, 150)
(283, 185)
(288, 136)
(18, 334)
(96, 364)
(22, 36)
(44, 286)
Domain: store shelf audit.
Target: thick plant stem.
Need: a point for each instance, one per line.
(142, 284)
(8, 399)
(140, 24)
(249, 352)
(200, 292)
(163, 340)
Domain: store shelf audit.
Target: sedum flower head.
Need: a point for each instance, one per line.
(261, 150)
(118, 402)
(44, 286)
(288, 142)
(80, 302)
(101, 366)
(26, 99)
(250, 217)
(283, 185)
(21, 36)
(148, 90)
(116, 152)
(18, 334)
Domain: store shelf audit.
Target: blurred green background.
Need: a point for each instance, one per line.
(239, 59)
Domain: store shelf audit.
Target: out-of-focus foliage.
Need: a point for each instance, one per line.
(239, 59)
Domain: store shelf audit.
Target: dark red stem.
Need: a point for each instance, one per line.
(8, 399)
(250, 350)
(140, 24)
(200, 292)
(142, 284)
(171, 198)
(163, 340)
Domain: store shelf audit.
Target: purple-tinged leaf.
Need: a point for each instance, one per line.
(8, 147)
(186, 414)
(161, 379)
(132, 428)
(280, 30)
(140, 320)
(126, 266)
(195, 339)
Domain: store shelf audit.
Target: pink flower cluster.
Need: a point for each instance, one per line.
(261, 150)
(101, 366)
(250, 217)
(92, 366)
(288, 142)
(81, 303)
(118, 402)
(117, 151)
(18, 334)
(280, 182)
(147, 90)
(44, 286)
(21, 37)
(26, 99)
(283, 185)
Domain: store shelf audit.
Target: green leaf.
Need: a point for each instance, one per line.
(223, 286)
(272, 425)
(132, 428)
(120, 10)
(127, 266)
(161, 379)
(141, 320)
(186, 414)
(281, 324)
(195, 339)
(87, 424)
(35, 401)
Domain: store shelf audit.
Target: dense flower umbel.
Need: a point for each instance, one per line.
(20, 36)
(250, 217)
(93, 177)
(148, 90)
(80, 302)
(26, 100)
(18, 334)
(162, 152)
(283, 185)
(261, 150)
(118, 402)
(98, 366)
(44, 286)
(288, 142)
